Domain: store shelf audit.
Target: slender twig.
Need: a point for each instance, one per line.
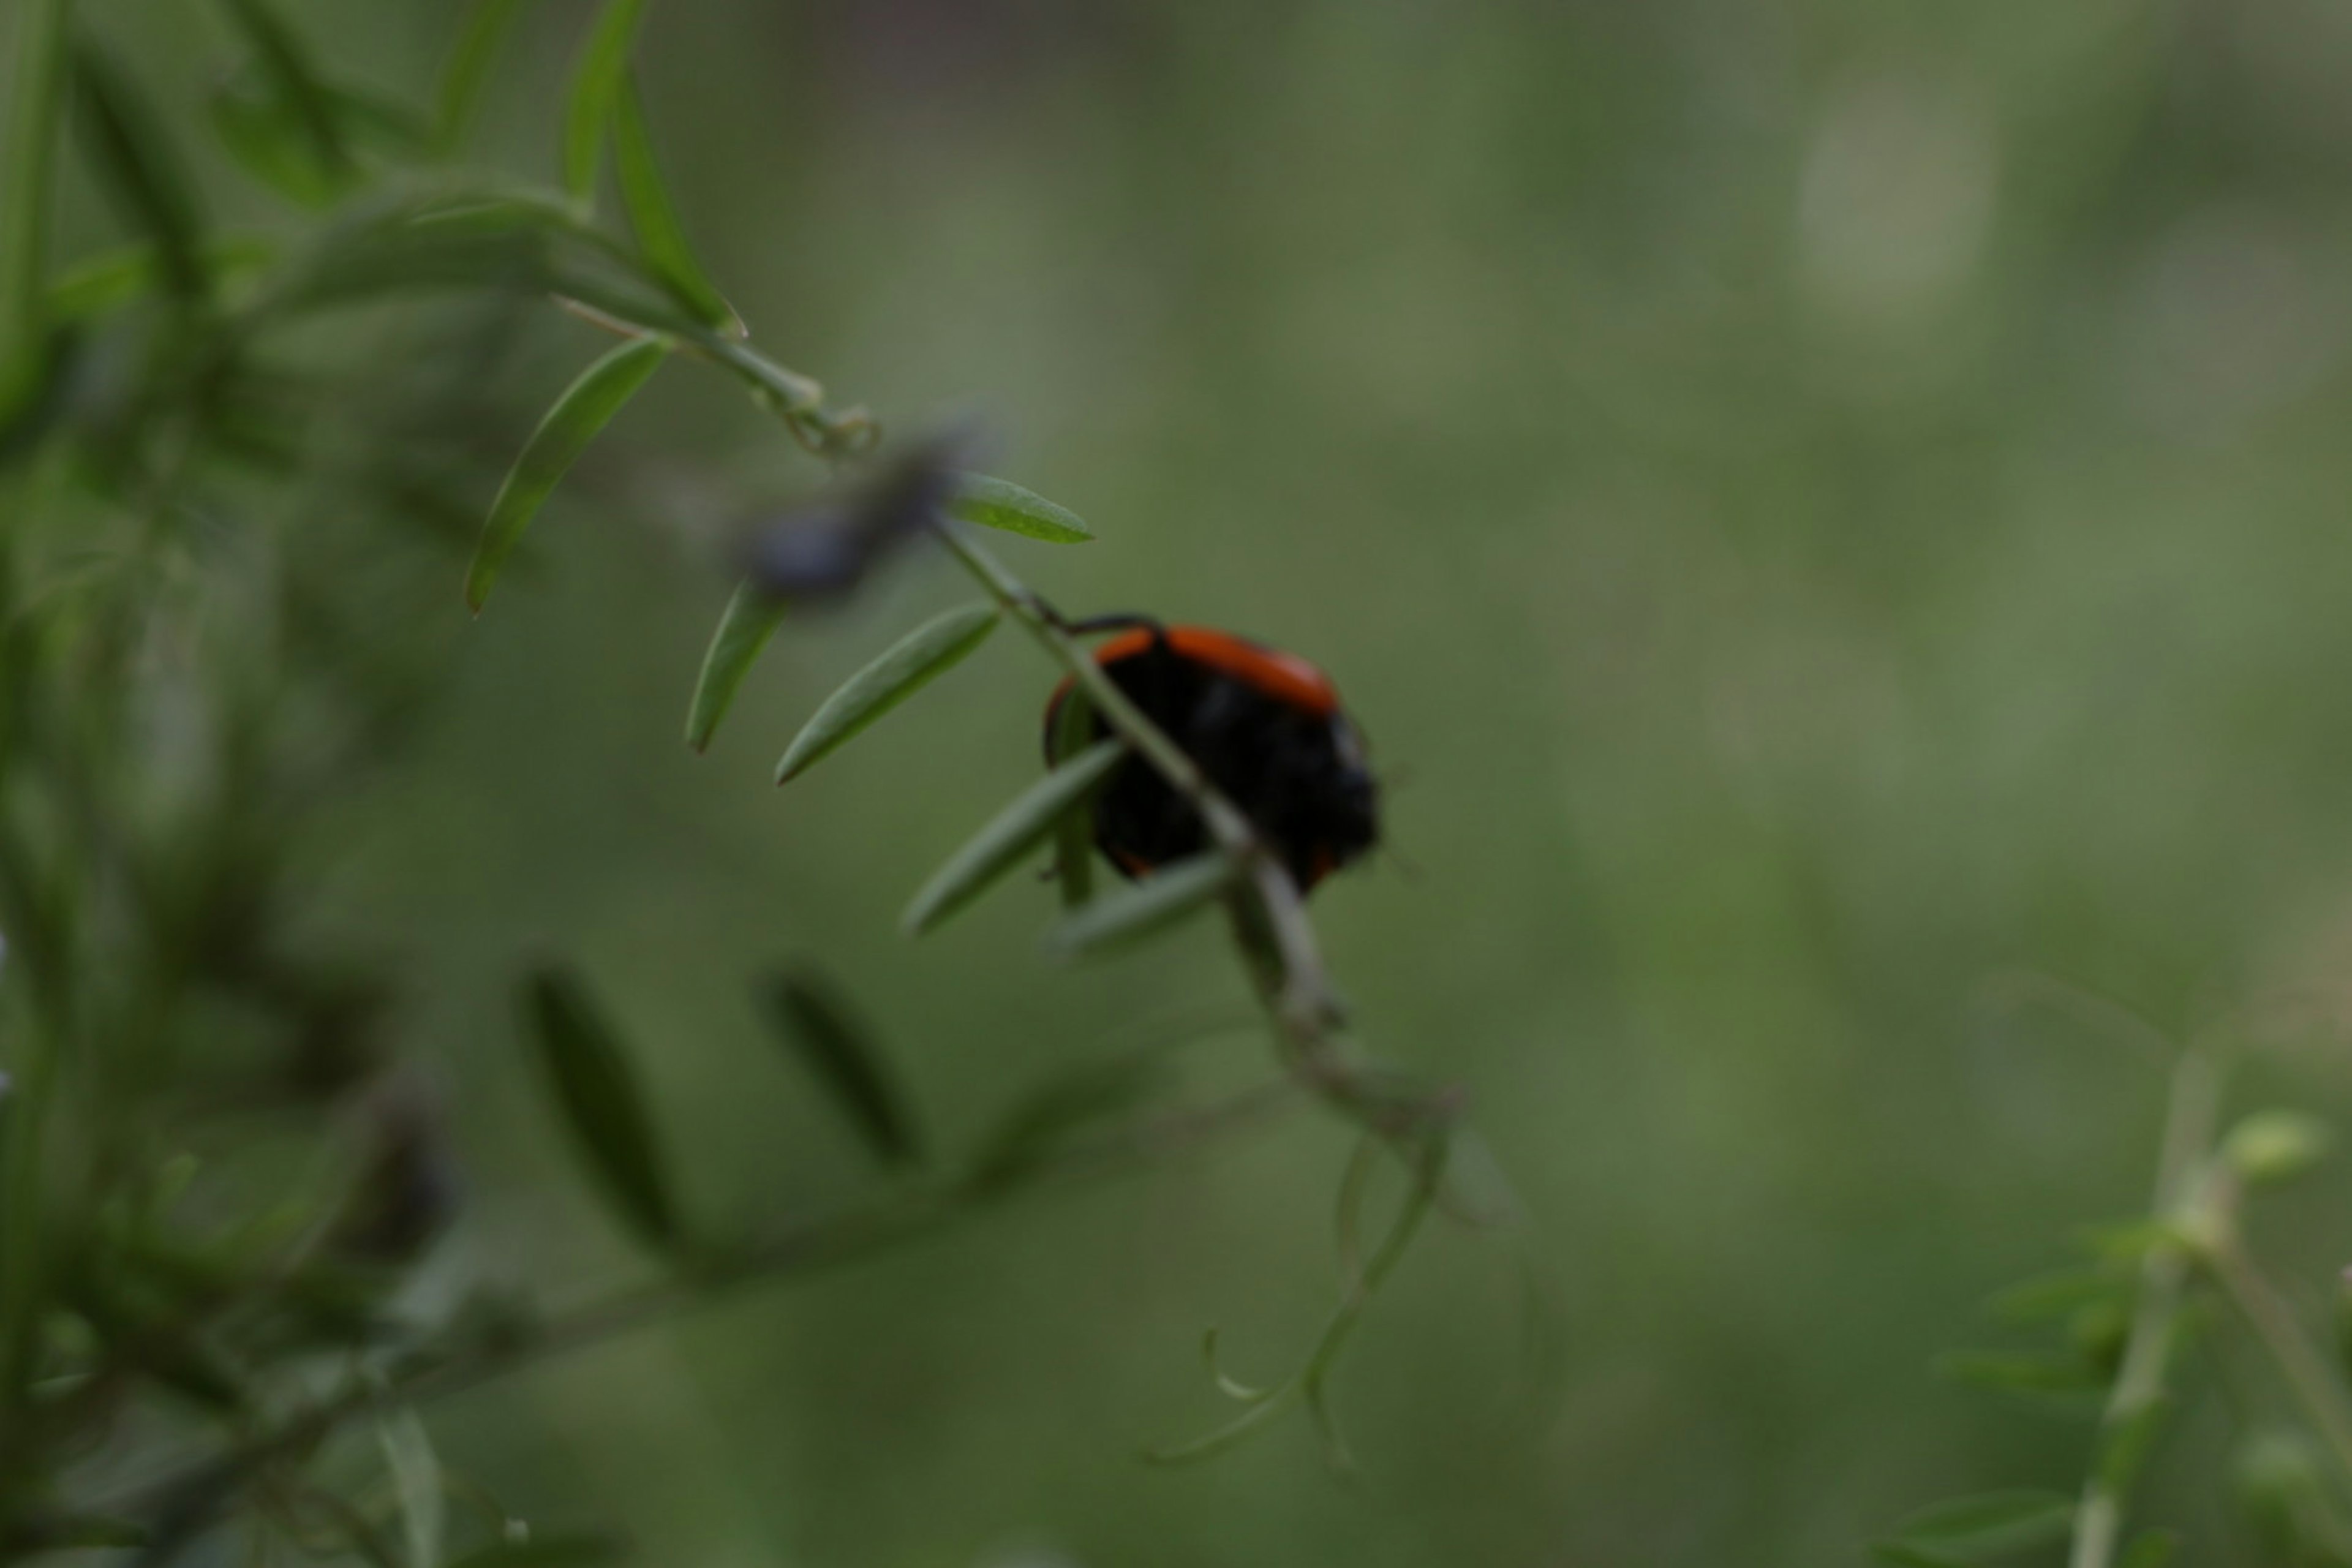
(2164, 1275)
(180, 1505)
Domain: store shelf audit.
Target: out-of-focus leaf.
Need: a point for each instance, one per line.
(114, 279)
(1064, 1104)
(1011, 835)
(1132, 912)
(27, 172)
(913, 662)
(752, 619)
(597, 1092)
(810, 1018)
(655, 219)
(2124, 1449)
(1074, 835)
(141, 167)
(2057, 1295)
(2046, 1377)
(2271, 1147)
(2150, 1549)
(416, 1482)
(1971, 1528)
(586, 406)
(467, 66)
(551, 1550)
(309, 113)
(597, 84)
(995, 503)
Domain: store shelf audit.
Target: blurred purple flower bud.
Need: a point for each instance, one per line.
(822, 551)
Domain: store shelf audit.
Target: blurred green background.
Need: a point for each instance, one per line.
(1819, 506)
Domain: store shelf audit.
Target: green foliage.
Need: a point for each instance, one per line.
(751, 619)
(995, 503)
(603, 1107)
(913, 662)
(842, 1054)
(1009, 837)
(586, 406)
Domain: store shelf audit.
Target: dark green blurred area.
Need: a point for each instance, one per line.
(1820, 508)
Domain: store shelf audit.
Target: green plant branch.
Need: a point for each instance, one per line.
(2099, 1514)
(176, 1510)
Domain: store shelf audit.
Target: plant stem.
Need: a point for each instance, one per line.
(180, 1506)
(2299, 1361)
(2188, 1133)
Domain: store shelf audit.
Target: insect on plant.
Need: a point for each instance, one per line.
(216, 1174)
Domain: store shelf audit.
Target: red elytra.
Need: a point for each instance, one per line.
(1285, 677)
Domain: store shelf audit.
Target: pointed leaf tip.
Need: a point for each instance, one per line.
(810, 1017)
(1132, 912)
(586, 406)
(596, 1089)
(1000, 504)
(751, 619)
(910, 664)
(1021, 826)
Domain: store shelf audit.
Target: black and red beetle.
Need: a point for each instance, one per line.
(1265, 726)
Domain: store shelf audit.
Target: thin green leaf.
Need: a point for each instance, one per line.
(586, 406)
(752, 619)
(573, 1551)
(27, 171)
(2058, 1295)
(415, 1473)
(1971, 1528)
(842, 1052)
(996, 503)
(458, 94)
(597, 1092)
(1011, 835)
(596, 83)
(295, 85)
(2022, 1372)
(916, 659)
(655, 219)
(140, 166)
(1074, 835)
(1132, 912)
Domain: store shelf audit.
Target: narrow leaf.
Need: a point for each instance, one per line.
(923, 654)
(655, 219)
(459, 92)
(1132, 912)
(141, 167)
(597, 84)
(295, 85)
(1011, 835)
(1970, 1529)
(995, 503)
(27, 172)
(597, 1092)
(586, 406)
(415, 1473)
(752, 619)
(810, 1018)
(1074, 835)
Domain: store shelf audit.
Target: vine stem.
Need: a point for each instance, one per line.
(2164, 1277)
